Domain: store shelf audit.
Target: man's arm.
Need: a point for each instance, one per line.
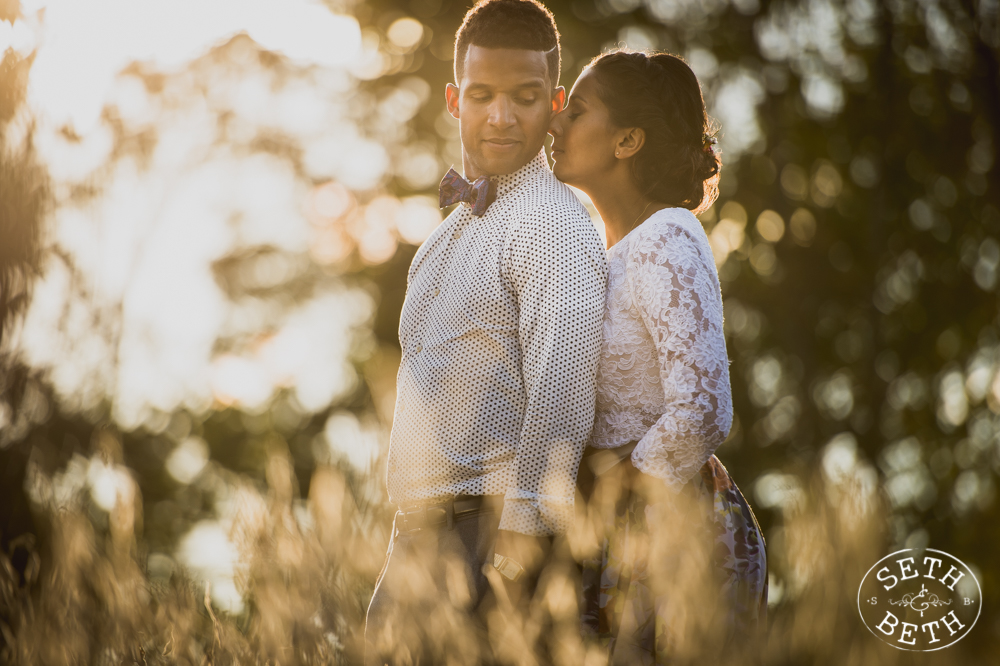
(558, 269)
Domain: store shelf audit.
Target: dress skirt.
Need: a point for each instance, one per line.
(672, 578)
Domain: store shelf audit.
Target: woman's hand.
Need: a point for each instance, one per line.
(640, 482)
(662, 505)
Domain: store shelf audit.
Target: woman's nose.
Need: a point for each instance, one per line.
(555, 126)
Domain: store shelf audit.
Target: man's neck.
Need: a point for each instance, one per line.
(472, 172)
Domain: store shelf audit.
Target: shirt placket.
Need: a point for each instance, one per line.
(432, 290)
(442, 264)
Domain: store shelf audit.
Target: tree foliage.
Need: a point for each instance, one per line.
(858, 241)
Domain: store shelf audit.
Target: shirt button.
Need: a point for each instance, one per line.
(419, 348)
(457, 234)
(436, 291)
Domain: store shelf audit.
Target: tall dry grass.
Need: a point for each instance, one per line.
(87, 597)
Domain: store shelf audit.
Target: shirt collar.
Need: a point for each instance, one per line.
(508, 182)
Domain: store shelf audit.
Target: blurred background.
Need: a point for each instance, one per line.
(207, 210)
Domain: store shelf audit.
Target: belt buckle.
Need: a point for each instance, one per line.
(445, 514)
(420, 517)
(408, 519)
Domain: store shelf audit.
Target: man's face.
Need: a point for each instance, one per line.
(504, 103)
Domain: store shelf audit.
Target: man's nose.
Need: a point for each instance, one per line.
(501, 112)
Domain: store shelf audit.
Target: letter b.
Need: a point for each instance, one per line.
(892, 625)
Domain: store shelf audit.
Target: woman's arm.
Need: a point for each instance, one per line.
(680, 304)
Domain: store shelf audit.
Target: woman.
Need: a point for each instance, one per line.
(679, 567)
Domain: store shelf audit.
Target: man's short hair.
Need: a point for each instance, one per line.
(509, 24)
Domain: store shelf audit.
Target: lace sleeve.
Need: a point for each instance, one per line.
(677, 295)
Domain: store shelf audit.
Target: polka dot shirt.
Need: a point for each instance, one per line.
(500, 336)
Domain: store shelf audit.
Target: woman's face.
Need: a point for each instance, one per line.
(583, 137)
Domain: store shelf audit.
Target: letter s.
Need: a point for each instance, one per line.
(887, 576)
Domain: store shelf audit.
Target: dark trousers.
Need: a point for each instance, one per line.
(428, 601)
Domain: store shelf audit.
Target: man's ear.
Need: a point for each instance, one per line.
(558, 99)
(451, 98)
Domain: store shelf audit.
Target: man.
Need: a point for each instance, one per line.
(500, 333)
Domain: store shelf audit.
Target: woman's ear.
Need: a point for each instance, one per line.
(630, 142)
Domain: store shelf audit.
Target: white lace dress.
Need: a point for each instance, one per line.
(663, 381)
(663, 374)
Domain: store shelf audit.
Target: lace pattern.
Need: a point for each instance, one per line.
(663, 376)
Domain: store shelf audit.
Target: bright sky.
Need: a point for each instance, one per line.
(149, 240)
(83, 44)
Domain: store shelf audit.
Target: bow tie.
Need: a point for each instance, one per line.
(479, 194)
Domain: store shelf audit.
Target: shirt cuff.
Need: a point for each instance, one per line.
(536, 516)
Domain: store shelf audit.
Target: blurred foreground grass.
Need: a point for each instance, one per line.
(90, 594)
(190, 413)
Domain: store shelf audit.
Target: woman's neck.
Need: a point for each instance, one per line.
(622, 207)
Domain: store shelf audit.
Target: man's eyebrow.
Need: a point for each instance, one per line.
(533, 84)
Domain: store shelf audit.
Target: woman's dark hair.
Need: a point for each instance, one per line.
(509, 24)
(658, 92)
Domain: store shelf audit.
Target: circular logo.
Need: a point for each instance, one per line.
(920, 599)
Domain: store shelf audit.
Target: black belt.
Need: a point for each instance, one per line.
(413, 516)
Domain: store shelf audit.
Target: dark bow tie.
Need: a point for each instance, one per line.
(479, 194)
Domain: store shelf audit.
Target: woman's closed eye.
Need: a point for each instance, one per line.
(573, 111)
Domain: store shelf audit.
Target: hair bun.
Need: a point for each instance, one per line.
(678, 165)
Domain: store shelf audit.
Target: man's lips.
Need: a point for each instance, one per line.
(501, 144)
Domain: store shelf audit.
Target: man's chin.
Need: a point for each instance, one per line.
(499, 165)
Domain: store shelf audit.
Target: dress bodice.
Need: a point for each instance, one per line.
(663, 373)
